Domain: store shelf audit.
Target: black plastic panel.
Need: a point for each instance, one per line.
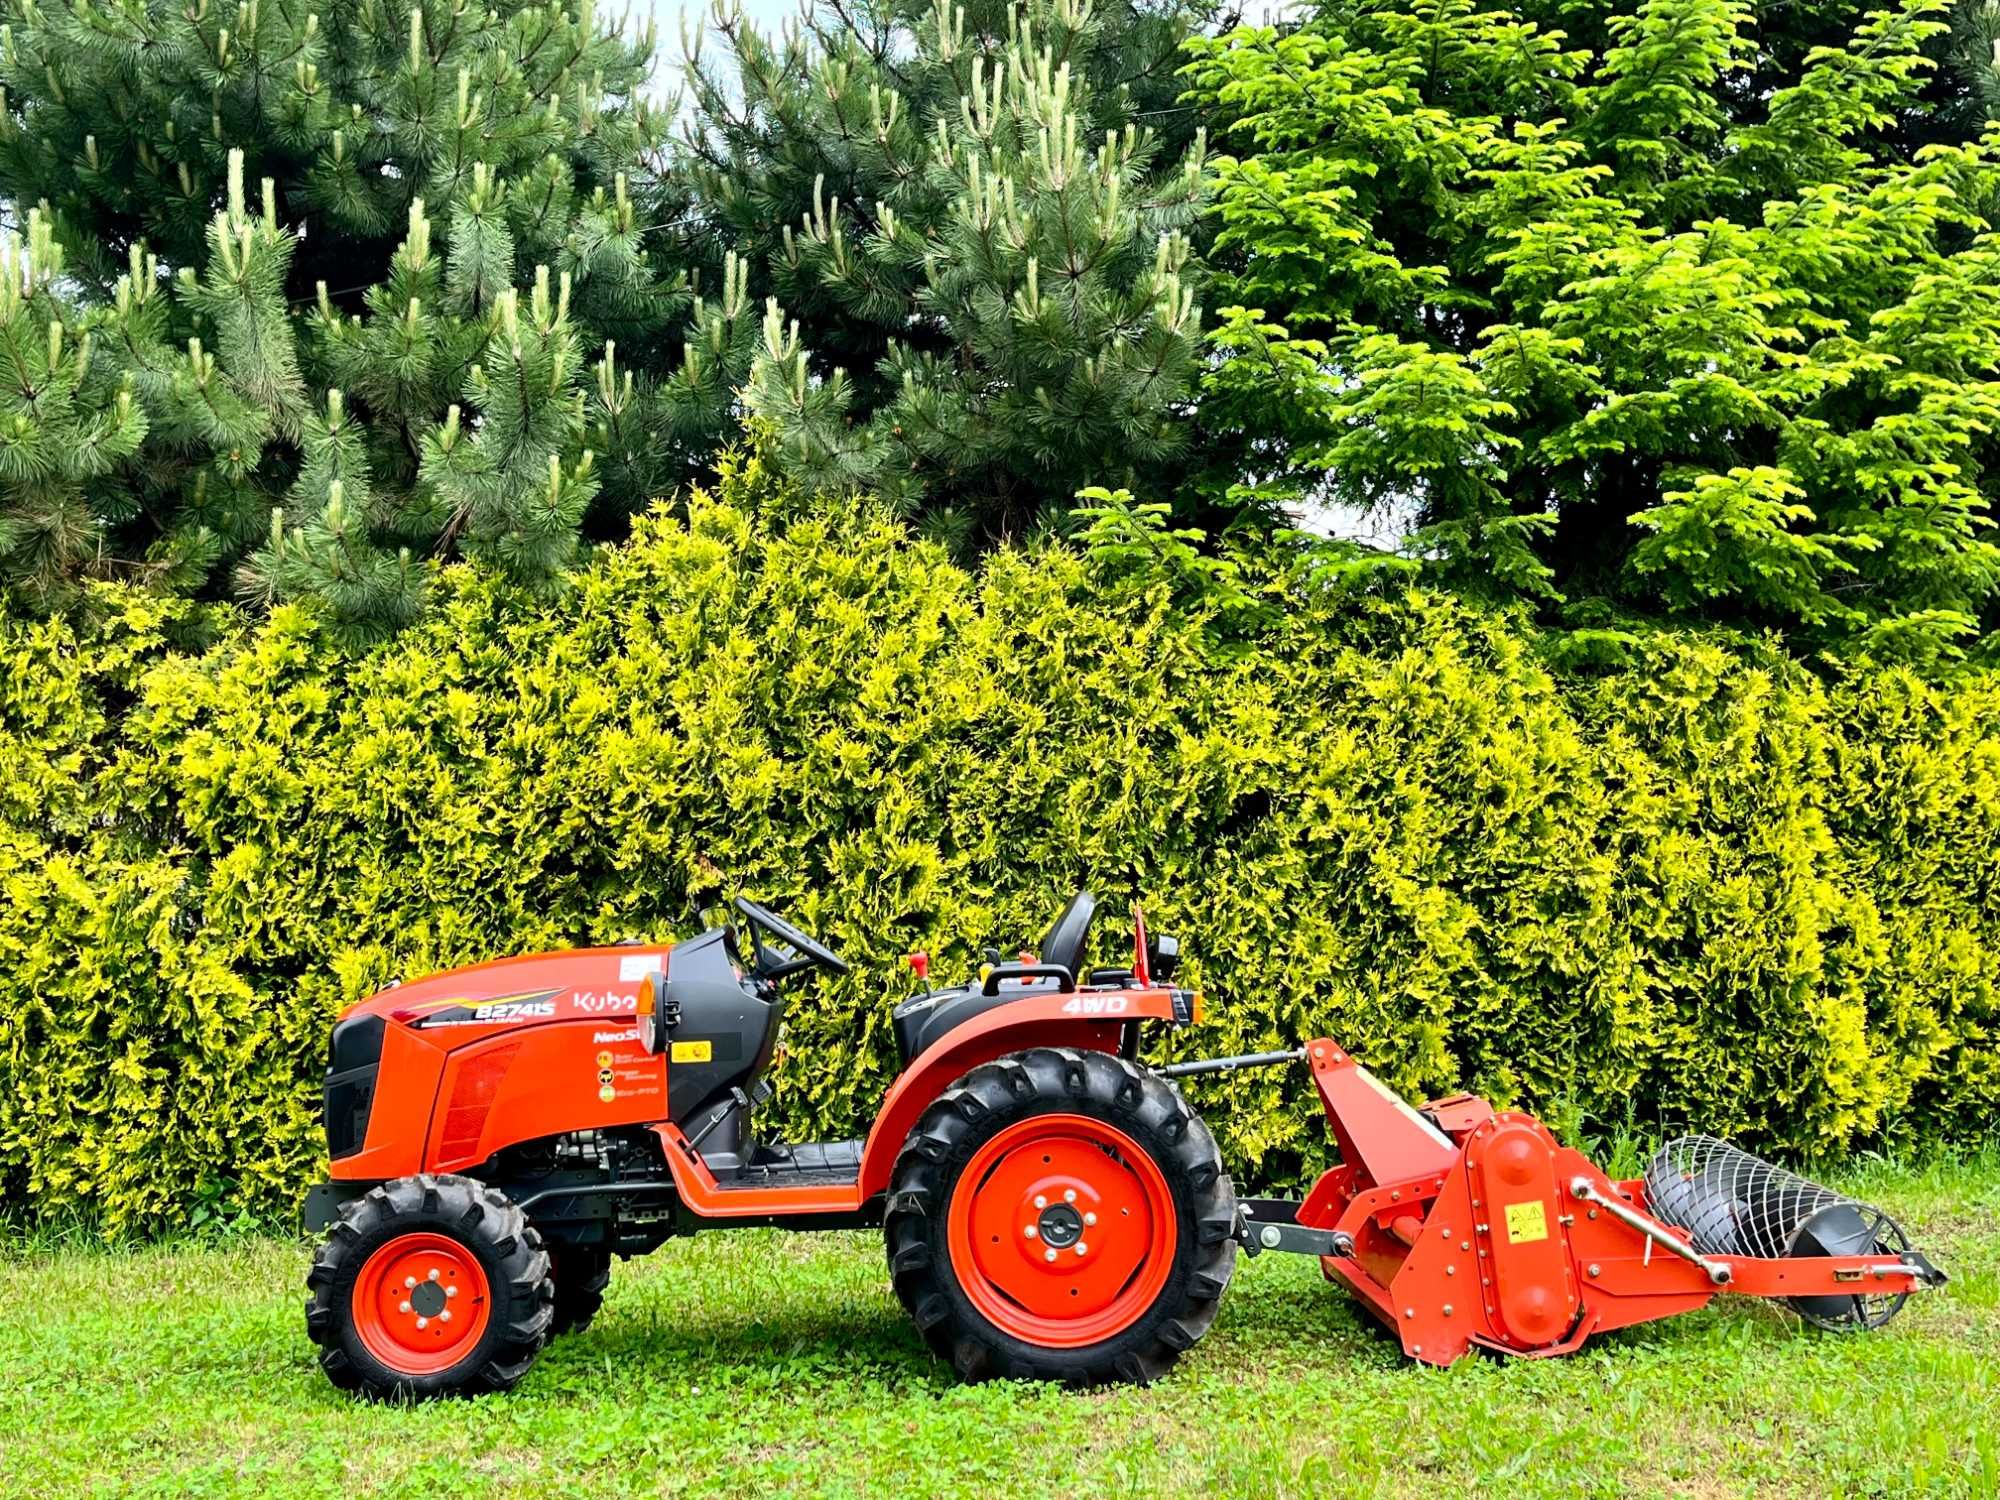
(353, 1057)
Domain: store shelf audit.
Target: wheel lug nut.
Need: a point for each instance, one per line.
(403, 1307)
(445, 1316)
(1082, 1248)
(1069, 1195)
(1029, 1231)
(434, 1273)
(409, 1281)
(1090, 1218)
(423, 1322)
(1048, 1255)
(1040, 1201)
(451, 1291)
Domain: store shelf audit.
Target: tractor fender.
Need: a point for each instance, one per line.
(1090, 1019)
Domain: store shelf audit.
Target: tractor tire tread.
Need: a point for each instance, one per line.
(1068, 1080)
(510, 1252)
(578, 1282)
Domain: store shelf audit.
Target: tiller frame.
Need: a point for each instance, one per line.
(1463, 1227)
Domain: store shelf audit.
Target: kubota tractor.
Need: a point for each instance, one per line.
(1052, 1207)
(498, 1133)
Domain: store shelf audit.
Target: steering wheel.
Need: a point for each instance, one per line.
(806, 951)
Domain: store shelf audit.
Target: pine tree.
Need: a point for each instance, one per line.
(66, 420)
(113, 419)
(964, 268)
(1975, 53)
(288, 369)
(121, 115)
(508, 491)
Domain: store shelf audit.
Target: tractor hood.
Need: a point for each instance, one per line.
(577, 984)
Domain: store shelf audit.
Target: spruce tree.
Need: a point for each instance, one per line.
(1612, 325)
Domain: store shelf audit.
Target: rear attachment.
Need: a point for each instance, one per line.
(1461, 1226)
(1734, 1204)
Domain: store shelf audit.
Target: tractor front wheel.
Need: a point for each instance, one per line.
(581, 1276)
(1061, 1215)
(429, 1286)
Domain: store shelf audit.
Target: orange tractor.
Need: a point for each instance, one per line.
(1052, 1207)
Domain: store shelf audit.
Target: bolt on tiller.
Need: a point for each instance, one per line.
(1052, 1208)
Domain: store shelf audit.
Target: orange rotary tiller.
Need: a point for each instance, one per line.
(1462, 1226)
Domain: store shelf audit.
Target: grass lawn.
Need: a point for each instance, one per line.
(752, 1361)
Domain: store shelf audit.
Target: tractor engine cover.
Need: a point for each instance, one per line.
(1531, 1296)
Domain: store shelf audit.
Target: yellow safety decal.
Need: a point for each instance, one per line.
(692, 1052)
(1527, 1222)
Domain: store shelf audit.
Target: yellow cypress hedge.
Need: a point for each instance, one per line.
(1705, 887)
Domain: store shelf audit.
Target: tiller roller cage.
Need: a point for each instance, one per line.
(1461, 1226)
(1733, 1203)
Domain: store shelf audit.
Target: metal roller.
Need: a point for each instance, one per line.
(1733, 1203)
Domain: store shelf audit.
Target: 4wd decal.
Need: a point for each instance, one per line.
(1097, 1005)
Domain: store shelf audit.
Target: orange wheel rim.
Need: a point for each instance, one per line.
(1062, 1231)
(421, 1304)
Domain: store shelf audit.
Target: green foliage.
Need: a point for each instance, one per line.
(121, 117)
(1699, 886)
(1650, 302)
(972, 227)
(172, 421)
(63, 425)
(1976, 52)
(945, 256)
(123, 1364)
(1129, 542)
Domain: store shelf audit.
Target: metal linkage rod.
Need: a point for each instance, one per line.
(1231, 1064)
(1717, 1271)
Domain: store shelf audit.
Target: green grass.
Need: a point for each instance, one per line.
(753, 1362)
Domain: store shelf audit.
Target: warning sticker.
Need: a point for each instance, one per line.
(693, 1052)
(1527, 1222)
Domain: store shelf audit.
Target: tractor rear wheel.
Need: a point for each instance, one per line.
(429, 1286)
(1061, 1215)
(581, 1277)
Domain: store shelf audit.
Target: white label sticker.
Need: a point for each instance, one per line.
(638, 965)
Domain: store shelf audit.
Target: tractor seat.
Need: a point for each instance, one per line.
(919, 1022)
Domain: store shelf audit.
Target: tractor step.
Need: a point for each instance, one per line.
(811, 1164)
